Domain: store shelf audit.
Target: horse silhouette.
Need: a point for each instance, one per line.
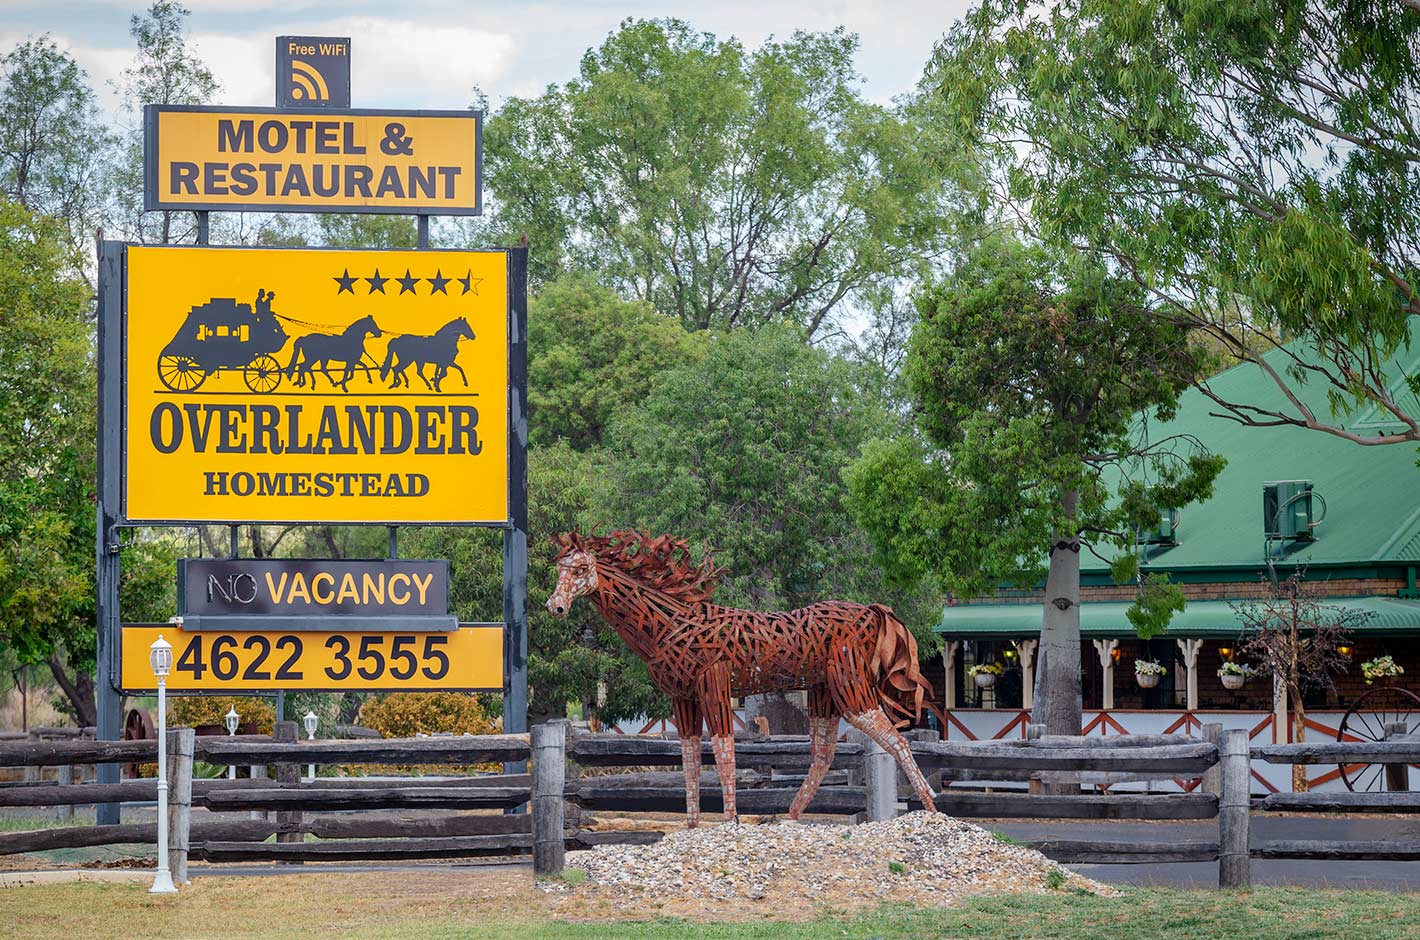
(440, 349)
(321, 349)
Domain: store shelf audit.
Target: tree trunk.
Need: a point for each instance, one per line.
(80, 691)
(1057, 670)
(1300, 784)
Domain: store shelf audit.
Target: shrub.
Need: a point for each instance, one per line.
(194, 710)
(405, 714)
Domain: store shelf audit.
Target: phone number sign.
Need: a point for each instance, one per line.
(468, 659)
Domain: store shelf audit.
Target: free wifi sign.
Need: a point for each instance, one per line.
(313, 71)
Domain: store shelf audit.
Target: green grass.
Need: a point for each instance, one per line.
(1055, 879)
(1002, 837)
(472, 904)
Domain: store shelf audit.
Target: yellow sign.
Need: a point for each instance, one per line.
(312, 160)
(469, 659)
(316, 385)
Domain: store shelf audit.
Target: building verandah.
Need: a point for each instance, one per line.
(1189, 694)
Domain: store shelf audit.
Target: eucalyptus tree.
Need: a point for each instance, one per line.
(53, 142)
(725, 186)
(1035, 379)
(1254, 166)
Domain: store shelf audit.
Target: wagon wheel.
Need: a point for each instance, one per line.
(262, 374)
(1366, 721)
(180, 373)
(137, 726)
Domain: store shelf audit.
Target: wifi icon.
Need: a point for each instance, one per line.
(312, 71)
(307, 83)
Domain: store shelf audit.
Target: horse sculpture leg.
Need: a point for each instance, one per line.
(876, 725)
(687, 725)
(823, 740)
(713, 685)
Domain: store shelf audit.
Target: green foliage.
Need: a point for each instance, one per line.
(727, 187)
(53, 138)
(1157, 602)
(1035, 376)
(592, 353)
(1055, 879)
(744, 453)
(1255, 164)
(46, 443)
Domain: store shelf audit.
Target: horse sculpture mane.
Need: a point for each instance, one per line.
(661, 563)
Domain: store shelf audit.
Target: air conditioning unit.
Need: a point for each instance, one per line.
(1165, 532)
(1287, 511)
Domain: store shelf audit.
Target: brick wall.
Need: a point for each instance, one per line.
(1225, 590)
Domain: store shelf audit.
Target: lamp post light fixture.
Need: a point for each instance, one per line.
(160, 657)
(312, 721)
(232, 719)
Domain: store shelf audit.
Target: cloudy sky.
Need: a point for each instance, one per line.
(431, 53)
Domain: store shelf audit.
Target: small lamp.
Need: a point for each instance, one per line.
(160, 657)
(312, 721)
(1226, 652)
(1345, 650)
(232, 720)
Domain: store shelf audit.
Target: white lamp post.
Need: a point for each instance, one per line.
(312, 722)
(160, 657)
(232, 719)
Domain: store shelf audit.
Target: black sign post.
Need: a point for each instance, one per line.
(312, 71)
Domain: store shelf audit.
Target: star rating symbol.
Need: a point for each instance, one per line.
(408, 284)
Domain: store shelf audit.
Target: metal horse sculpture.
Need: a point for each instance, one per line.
(440, 349)
(857, 661)
(321, 349)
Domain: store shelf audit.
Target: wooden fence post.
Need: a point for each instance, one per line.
(65, 811)
(288, 822)
(1397, 776)
(1213, 776)
(549, 776)
(180, 748)
(879, 779)
(1034, 732)
(1234, 865)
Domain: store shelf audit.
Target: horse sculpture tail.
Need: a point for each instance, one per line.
(901, 686)
(389, 360)
(295, 357)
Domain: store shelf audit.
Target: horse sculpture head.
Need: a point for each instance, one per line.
(576, 577)
(660, 563)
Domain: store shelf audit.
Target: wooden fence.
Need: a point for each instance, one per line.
(865, 784)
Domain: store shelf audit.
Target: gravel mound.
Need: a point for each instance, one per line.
(923, 858)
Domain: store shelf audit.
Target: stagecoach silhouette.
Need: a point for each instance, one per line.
(223, 334)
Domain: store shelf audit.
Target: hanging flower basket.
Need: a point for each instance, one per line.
(1235, 675)
(984, 674)
(1147, 673)
(1382, 669)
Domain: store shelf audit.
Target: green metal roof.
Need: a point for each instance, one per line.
(1372, 494)
(1200, 618)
